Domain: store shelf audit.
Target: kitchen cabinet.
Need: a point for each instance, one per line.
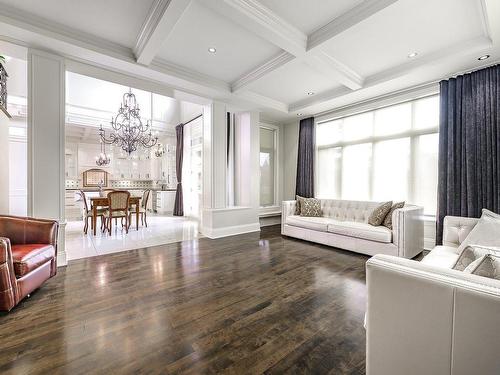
(165, 201)
(71, 160)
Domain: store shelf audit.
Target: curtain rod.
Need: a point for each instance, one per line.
(195, 118)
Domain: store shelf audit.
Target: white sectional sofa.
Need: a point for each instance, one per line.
(345, 225)
(426, 318)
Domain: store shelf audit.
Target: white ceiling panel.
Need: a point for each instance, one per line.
(118, 21)
(309, 15)
(292, 82)
(423, 26)
(238, 50)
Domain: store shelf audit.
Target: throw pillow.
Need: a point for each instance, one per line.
(310, 207)
(485, 233)
(488, 266)
(297, 204)
(471, 254)
(388, 218)
(379, 213)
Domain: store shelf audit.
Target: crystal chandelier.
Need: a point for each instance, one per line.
(103, 159)
(129, 132)
(160, 151)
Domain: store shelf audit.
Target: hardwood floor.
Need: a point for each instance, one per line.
(249, 304)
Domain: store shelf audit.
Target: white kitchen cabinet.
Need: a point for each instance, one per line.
(165, 201)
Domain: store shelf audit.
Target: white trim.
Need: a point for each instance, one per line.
(230, 231)
(263, 100)
(347, 20)
(159, 23)
(269, 66)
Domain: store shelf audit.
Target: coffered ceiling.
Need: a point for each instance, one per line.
(286, 58)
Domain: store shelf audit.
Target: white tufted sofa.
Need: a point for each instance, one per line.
(426, 318)
(345, 225)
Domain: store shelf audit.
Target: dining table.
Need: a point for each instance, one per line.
(97, 202)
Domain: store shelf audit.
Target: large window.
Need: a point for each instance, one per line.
(268, 146)
(386, 154)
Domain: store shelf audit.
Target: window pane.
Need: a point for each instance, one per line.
(427, 113)
(358, 127)
(267, 160)
(328, 174)
(356, 172)
(393, 120)
(391, 163)
(329, 132)
(426, 164)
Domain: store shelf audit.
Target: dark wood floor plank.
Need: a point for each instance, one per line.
(249, 304)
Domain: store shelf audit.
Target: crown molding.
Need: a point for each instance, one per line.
(263, 22)
(347, 20)
(264, 101)
(39, 25)
(160, 22)
(262, 70)
(470, 47)
(332, 68)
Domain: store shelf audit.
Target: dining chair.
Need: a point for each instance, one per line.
(143, 208)
(118, 208)
(104, 193)
(87, 212)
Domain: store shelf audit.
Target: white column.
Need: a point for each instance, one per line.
(4, 163)
(46, 109)
(219, 220)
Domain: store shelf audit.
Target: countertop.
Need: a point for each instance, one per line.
(96, 190)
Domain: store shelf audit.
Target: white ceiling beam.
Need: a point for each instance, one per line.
(264, 101)
(263, 22)
(345, 21)
(334, 69)
(259, 72)
(161, 20)
(472, 47)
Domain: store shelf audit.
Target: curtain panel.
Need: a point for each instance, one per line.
(304, 185)
(179, 155)
(469, 145)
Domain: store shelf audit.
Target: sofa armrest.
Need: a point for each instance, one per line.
(456, 228)
(8, 282)
(28, 230)
(287, 209)
(422, 319)
(408, 230)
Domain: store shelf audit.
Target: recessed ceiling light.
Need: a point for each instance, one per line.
(299, 114)
(310, 93)
(412, 55)
(212, 50)
(484, 57)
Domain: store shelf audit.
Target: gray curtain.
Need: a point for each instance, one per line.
(179, 155)
(469, 145)
(304, 185)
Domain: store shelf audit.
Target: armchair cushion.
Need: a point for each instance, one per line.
(27, 258)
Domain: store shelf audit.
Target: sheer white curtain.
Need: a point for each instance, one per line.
(386, 154)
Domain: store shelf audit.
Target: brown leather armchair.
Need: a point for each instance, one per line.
(28, 253)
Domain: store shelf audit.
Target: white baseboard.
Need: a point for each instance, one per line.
(230, 231)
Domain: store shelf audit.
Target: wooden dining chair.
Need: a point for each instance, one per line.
(143, 208)
(119, 202)
(87, 212)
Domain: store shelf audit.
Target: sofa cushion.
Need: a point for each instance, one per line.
(388, 218)
(471, 254)
(378, 215)
(485, 232)
(488, 266)
(310, 207)
(442, 256)
(26, 258)
(314, 223)
(361, 230)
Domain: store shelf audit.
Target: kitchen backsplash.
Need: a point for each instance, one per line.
(131, 184)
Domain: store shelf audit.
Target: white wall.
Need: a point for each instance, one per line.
(4, 163)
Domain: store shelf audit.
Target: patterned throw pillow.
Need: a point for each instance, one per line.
(471, 254)
(379, 213)
(310, 207)
(488, 266)
(388, 218)
(297, 204)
